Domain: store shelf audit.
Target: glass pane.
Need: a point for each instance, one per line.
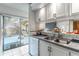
(24, 31)
(11, 32)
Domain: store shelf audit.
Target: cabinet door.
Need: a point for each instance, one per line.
(49, 11)
(58, 51)
(73, 53)
(42, 14)
(44, 46)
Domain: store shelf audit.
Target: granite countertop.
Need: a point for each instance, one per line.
(72, 45)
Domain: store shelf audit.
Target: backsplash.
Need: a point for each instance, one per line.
(50, 25)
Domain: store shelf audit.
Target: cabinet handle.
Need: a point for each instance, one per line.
(69, 53)
(49, 48)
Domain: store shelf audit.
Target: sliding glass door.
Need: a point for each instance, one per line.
(15, 32)
(11, 32)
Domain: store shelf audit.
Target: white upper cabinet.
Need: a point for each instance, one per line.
(42, 14)
(51, 10)
(60, 9)
(75, 7)
(37, 16)
(63, 9)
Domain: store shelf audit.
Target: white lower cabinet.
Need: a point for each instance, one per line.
(49, 49)
(58, 51)
(43, 48)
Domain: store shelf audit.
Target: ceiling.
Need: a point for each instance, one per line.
(24, 6)
(20, 8)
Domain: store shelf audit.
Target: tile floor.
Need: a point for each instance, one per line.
(20, 51)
